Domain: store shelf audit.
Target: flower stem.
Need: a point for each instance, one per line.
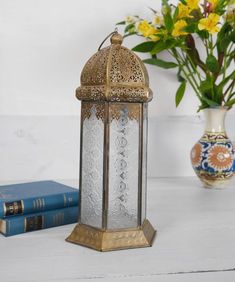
(175, 54)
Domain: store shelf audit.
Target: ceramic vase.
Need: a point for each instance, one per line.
(212, 156)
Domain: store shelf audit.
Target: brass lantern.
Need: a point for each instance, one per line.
(113, 160)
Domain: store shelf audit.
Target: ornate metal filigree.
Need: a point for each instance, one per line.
(114, 73)
(98, 109)
(132, 111)
(126, 67)
(94, 72)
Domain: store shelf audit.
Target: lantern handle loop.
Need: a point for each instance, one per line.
(114, 32)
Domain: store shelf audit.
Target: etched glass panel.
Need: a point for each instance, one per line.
(123, 165)
(144, 161)
(92, 164)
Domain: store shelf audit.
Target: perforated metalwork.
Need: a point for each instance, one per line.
(97, 109)
(114, 73)
(94, 72)
(125, 67)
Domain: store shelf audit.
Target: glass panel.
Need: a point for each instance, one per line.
(92, 164)
(144, 161)
(123, 165)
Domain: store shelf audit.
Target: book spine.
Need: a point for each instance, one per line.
(32, 222)
(39, 204)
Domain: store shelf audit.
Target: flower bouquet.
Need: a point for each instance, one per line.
(177, 30)
(199, 37)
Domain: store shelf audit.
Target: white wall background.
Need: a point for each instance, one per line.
(44, 45)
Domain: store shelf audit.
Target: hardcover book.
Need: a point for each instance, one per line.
(33, 197)
(31, 222)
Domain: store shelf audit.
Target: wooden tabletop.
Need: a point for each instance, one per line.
(195, 242)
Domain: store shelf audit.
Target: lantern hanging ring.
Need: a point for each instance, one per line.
(108, 36)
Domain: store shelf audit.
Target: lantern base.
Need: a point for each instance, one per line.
(109, 240)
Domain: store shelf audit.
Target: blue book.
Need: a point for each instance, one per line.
(35, 197)
(31, 222)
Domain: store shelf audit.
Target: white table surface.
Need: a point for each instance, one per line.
(195, 242)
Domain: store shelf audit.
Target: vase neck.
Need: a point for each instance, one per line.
(215, 119)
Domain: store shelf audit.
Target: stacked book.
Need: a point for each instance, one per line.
(36, 205)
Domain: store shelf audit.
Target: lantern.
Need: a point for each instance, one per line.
(113, 160)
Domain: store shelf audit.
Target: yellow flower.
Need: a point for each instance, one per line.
(213, 4)
(184, 11)
(193, 4)
(146, 29)
(210, 24)
(178, 28)
(154, 37)
(131, 19)
(158, 20)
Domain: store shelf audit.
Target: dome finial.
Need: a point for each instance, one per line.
(116, 38)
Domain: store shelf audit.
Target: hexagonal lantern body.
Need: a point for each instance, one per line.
(113, 159)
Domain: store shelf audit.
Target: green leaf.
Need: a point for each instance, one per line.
(204, 34)
(223, 37)
(209, 101)
(212, 64)
(223, 45)
(165, 2)
(179, 76)
(230, 103)
(221, 7)
(121, 23)
(202, 107)
(144, 47)
(232, 36)
(160, 63)
(229, 60)
(128, 27)
(225, 81)
(218, 94)
(162, 45)
(231, 96)
(225, 29)
(205, 86)
(129, 34)
(180, 93)
(191, 28)
(176, 13)
(168, 22)
(166, 8)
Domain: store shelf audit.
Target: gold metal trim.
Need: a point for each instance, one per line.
(106, 168)
(111, 240)
(80, 163)
(140, 169)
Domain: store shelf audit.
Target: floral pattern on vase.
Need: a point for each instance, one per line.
(212, 157)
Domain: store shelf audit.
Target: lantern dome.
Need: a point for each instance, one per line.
(114, 73)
